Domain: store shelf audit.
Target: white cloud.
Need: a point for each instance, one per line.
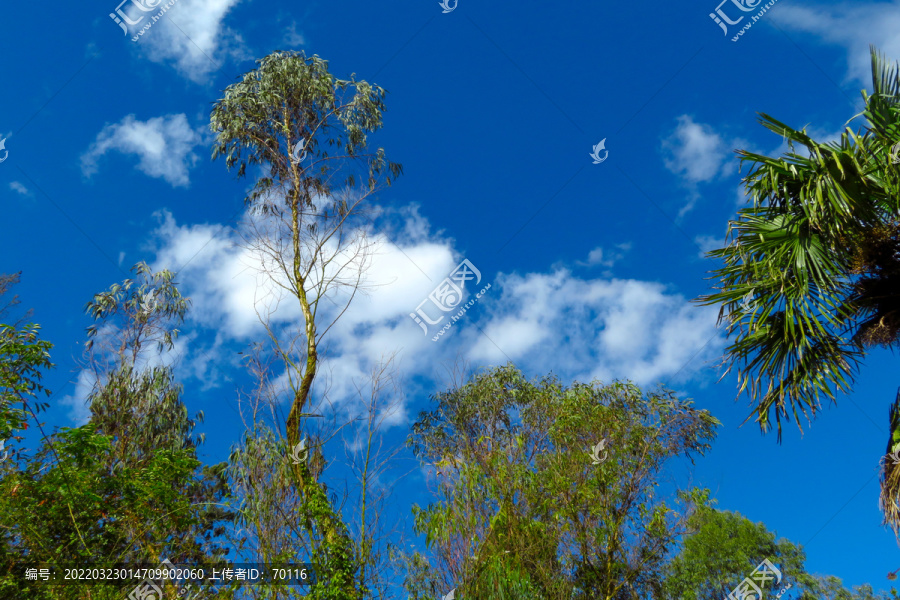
(293, 38)
(605, 258)
(695, 151)
(79, 411)
(19, 188)
(698, 154)
(707, 243)
(223, 275)
(578, 328)
(587, 329)
(193, 36)
(163, 144)
(853, 26)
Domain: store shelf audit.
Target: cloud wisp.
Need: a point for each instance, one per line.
(164, 146)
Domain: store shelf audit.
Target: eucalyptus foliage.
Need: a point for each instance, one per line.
(65, 506)
(280, 525)
(291, 98)
(125, 487)
(135, 312)
(725, 547)
(23, 358)
(524, 510)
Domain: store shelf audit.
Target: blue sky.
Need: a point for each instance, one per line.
(493, 110)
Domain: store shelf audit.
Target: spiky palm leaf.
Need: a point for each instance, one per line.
(788, 252)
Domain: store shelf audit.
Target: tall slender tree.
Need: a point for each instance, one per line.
(307, 133)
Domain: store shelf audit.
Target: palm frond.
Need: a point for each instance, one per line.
(885, 77)
(796, 253)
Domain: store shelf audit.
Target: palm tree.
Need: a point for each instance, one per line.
(811, 275)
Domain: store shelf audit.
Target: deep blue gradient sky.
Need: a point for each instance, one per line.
(493, 110)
